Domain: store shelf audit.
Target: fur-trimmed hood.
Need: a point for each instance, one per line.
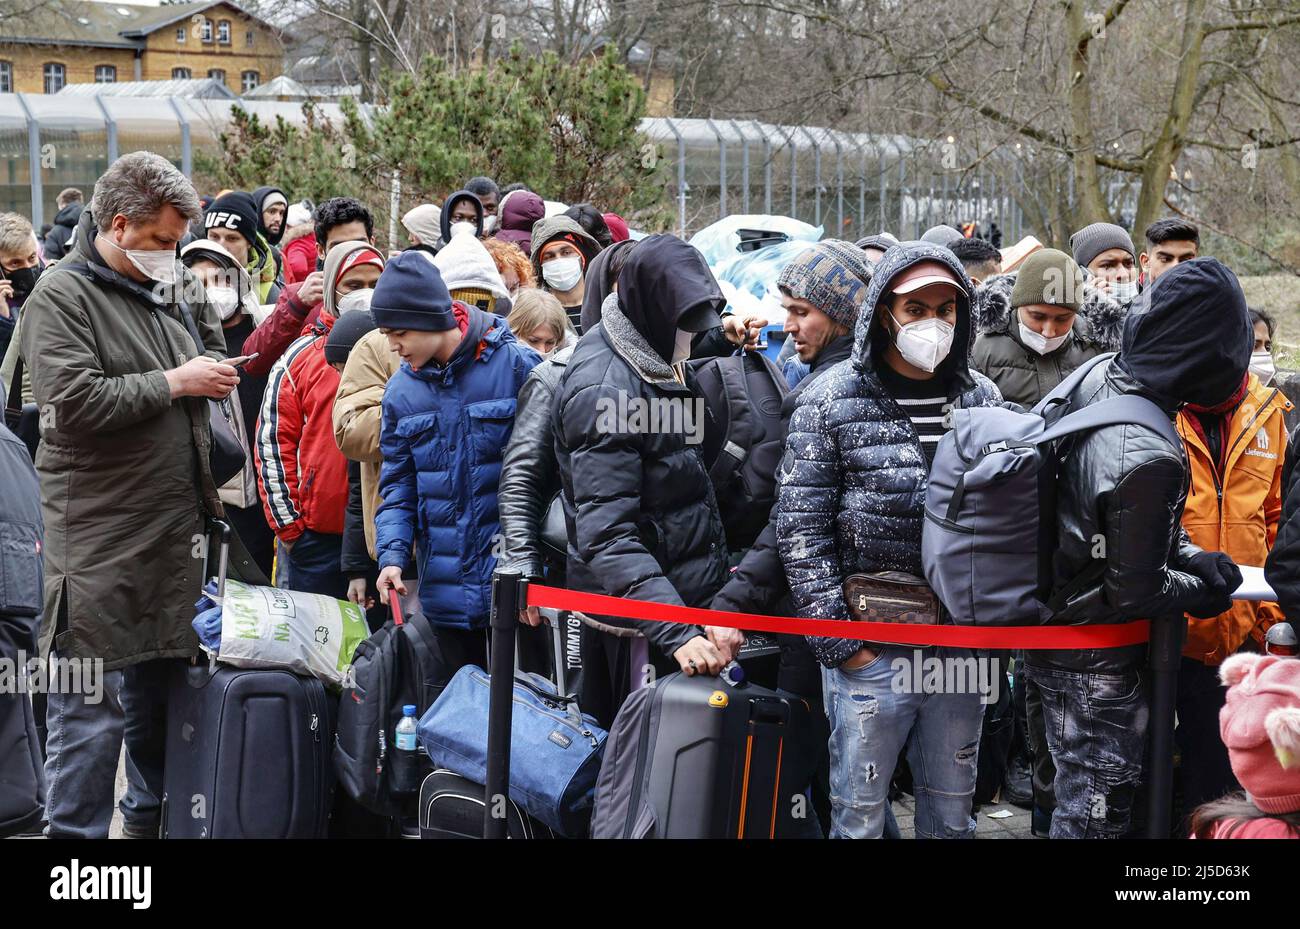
(1100, 319)
(296, 232)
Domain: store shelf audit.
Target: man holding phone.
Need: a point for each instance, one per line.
(20, 266)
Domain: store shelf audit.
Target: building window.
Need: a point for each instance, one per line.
(105, 74)
(207, 30)
(217, 74)
(223, 32)
(180, 74)
(180, 35)
(55, 77)
(6, 77)
(248, 38)
(248, 80)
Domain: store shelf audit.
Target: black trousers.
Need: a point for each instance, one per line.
(1205, 771)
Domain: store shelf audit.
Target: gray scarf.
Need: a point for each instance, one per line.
(632, 346)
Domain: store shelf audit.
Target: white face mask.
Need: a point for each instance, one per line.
(682, 345)
(1125, 292)
(924, 343)
(1041, 343)
(157, 264)
(562, 274)
(463, 228)
(225, 299)
(355, 300)
(1261, 365)
(489, 223)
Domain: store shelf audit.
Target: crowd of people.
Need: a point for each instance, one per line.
(411, 421)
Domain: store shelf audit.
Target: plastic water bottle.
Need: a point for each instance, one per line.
(406, 729)
(732, 674)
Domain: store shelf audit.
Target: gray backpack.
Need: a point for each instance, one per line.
(990, 508)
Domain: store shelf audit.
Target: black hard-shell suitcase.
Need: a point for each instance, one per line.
(248, 752)
(451, 807)
(694, 758)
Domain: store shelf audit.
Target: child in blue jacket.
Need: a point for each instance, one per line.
(447, 415)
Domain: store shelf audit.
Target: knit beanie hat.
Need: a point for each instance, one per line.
(345, 334)
(299, 214)
(1260, 725)
(1048, 276)
(424, 222)
(469, 272)
(833, 276)
(235, 210)
(411, 295)
(617, 226)
(1091, 241)
(941, 235)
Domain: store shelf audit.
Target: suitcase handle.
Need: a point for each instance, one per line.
(395, 604)
(223, 557)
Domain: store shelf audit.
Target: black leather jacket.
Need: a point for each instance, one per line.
(1120, 506)
(530, 476)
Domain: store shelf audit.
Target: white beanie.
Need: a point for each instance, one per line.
(424, 222)
(465, 264)
(299, 214)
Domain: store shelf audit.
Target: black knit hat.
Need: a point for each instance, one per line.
(346, 332)
(410, 294)
(236, 210)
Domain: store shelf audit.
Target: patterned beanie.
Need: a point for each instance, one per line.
(833, 276)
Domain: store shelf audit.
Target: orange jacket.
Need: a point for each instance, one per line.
(1237, 514)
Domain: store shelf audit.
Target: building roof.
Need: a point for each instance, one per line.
(207, 88)
(102, 25)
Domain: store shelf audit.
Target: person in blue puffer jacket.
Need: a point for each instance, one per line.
(447, 415)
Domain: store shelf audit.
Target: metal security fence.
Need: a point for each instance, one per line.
(852, 184)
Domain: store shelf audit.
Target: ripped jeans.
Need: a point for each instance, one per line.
(1097, 734)
(874, 713)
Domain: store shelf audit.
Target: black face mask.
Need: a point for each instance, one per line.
(24, 279)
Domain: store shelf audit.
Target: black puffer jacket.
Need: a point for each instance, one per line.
(641, 516)
(530, 478)
(58, 239)
(852, 483)
(1188, 338)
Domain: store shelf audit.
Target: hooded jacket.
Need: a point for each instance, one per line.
(302, 475)
(639, 508)
(124, 469)
(598, 285)
(1023, 376)
(558, 227)
(444, 430)
(518, 212)
(58, 241)
(448, 205)
(1237, 512)
(259, 198)
(851, 487)
(1187, 337)
(298, 252)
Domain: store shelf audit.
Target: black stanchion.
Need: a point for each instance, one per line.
(505, 615)
(1165, 655)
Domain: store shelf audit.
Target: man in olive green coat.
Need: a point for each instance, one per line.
(121, 382)
(1039, 324)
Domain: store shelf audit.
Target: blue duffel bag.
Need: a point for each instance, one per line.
(555, 749)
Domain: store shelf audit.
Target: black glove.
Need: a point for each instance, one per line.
(1208, 604)
(1217, 570)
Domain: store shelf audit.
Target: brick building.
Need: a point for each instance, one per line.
(75, 41)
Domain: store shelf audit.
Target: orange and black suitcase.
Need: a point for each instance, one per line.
(696, 758)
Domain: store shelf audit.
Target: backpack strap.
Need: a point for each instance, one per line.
(1063, 390)
(1128, 408)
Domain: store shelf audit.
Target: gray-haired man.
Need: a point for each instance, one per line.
(125, 481)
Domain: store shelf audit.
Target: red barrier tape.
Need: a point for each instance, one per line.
(1031, 637)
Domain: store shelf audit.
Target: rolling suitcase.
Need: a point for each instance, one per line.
(694, 758)
(248, 751)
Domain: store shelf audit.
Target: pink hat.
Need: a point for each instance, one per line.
(1260, 725)
(617, 227)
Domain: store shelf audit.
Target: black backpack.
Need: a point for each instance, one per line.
(396, 666)
(743, 438)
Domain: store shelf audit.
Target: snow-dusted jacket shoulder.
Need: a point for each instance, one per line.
(852, 482)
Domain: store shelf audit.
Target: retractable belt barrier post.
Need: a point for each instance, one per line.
(506, 601)
(1164, 635)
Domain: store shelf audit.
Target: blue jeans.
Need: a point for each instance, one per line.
(873, 717)
(85, 742)
(313, 565)
(1097, 733)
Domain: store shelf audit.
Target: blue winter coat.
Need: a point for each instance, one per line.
(443, 433)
